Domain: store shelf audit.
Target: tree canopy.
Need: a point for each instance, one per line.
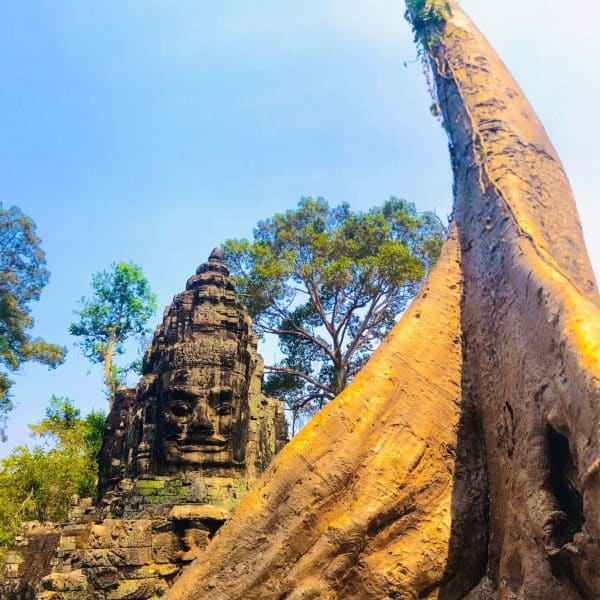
(121, 305)
(38, 483)
(23, 275)
(330, 283)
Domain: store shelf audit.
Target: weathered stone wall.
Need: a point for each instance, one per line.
(164, 522)
(129, 558)
(156, 494)
(32, 554)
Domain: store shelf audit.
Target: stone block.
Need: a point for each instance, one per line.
(198, 512)
(73, 529)
(117, 557)
(153, 570)
(65, 582)
(151, 500)
(161, 524)
(138, 589)
(155, 484)
(97, 557)
(12, 570)
(165, 547)
(103, 578)
(13, 558)
(65, 596)
(67, 543)
(113, 533)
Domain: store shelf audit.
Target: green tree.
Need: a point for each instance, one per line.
(38, 482)
(330, 283)
(121, 306)
(23, 274)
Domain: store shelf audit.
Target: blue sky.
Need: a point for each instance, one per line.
(153, 130)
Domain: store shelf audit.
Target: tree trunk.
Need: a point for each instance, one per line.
(530, 323)
(340, 378)
(107, 371)
(384, 493)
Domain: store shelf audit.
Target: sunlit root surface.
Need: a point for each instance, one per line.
(359, 502)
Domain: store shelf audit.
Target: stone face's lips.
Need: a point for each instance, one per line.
(206, 445)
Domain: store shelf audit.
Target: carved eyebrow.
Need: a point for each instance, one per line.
(221, 392)
(185, 395)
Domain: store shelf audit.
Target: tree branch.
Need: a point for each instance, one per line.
(366, 325)
(304, 400)
(347, 319)
(304, 376)
(297, 331)
(319, 306)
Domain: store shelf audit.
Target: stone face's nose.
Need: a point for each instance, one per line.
(201, 426)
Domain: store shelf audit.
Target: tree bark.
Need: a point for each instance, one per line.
(385, 493)
(530, 322)
(107, 371)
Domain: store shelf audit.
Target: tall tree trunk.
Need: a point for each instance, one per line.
(383, 494)
(530, 323)
(108, 371)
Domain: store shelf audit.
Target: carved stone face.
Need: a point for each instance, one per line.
(202, 425)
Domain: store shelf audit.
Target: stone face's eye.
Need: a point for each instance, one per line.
(180, 410)
(224, 410)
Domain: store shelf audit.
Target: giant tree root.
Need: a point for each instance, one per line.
(359, 502)
(384, 494)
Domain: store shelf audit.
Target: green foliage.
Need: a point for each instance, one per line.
(37, 483)
(22, 277)
(426, 17)
(121, 306)
(330, 283)
(118, 374)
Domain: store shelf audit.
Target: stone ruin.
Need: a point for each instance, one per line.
(197, 414)
(179, 452)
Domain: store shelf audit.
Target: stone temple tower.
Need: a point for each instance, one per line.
(198, 413)
(179, 452)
